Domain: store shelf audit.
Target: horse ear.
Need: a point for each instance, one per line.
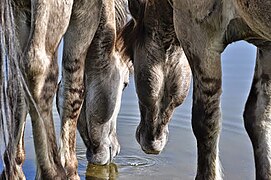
(135, 8)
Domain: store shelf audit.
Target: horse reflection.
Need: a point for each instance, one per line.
(98, 172)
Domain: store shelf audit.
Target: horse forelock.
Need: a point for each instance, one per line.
(121, 17)
(132, 33)
(121, 13)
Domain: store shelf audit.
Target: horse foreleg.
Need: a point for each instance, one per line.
(83, 25)
(257, 114)
(206, 115)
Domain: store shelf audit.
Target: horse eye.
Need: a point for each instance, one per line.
(125, 84)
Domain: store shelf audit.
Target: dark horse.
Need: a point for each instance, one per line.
(204, 29)
(161, 70)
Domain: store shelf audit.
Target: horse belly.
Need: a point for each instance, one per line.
(257, 14)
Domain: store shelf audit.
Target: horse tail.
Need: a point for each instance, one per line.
(8, 83)
(11, 88)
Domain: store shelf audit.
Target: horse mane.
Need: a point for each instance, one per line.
(121, 14)
(121, 18)
(133, 32)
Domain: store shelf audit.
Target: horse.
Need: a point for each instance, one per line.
(30, 34)
(204, 28)
(209, 27)
(161, 71)
(93, 77)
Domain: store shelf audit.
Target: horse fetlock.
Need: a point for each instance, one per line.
(204, 177)
(20, 159)
(71, 171)
(16, 174)
(68, 157)
(73, 177)
(114, 148)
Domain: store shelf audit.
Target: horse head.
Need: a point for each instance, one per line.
(106, 76)
(161, 71)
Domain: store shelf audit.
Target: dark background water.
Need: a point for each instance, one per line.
(178, 160)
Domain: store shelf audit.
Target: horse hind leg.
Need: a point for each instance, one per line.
(257, 114)
(14, 155)
(41, 75)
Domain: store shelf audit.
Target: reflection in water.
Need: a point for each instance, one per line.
(98, 172)
(134, 161)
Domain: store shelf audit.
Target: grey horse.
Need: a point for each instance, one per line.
(30, 34)
(93, 79)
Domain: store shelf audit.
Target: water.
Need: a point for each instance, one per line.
(178, 160)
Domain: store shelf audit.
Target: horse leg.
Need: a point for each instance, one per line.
(19, 135)
(14, 155)
(206, 114)
(83, 25)
(257, 114)
(48, 162)
(203, 52)
(50, 20)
